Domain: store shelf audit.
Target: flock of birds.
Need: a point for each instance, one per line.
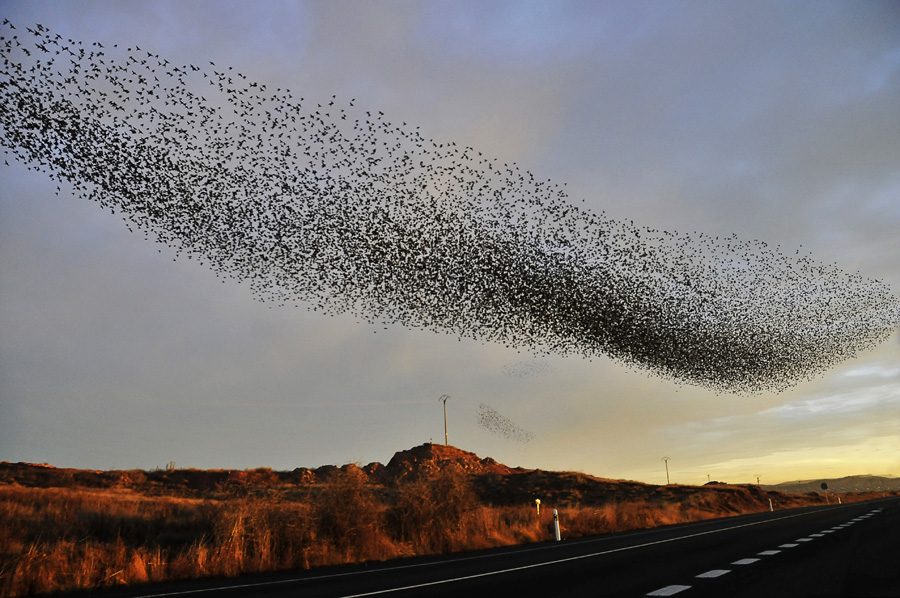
(326, 204)
(494, 422)
(527, 369)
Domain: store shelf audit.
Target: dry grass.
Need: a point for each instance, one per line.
(58, 539)
(65, 538)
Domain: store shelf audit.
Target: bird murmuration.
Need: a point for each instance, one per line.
(330, 205)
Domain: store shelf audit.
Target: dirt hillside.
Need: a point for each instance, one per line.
(495, 484)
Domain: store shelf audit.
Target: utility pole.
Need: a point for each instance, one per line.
(757, 480)
(446, 436)
(666, 459)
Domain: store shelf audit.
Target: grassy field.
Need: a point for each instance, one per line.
(68, 537)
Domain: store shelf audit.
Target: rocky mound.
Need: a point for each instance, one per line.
(428, 459)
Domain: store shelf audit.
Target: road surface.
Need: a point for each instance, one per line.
(838, 550)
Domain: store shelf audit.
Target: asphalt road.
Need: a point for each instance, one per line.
(839, 550)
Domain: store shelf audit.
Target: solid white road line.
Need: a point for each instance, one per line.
(669, 590)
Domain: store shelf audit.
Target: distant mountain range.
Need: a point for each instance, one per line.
(853, 483)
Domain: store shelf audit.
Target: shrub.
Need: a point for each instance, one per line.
(350, 518)
(433, 514)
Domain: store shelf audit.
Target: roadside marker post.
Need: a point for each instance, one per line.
(556, 524)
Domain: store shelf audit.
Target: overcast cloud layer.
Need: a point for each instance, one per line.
(774, 121)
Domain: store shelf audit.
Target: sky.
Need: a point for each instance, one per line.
(774, 121)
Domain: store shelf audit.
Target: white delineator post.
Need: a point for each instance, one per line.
(771, 508)
(556, 524)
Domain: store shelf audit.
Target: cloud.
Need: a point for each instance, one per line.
(885, 397)
(879, 370)
(851, 418)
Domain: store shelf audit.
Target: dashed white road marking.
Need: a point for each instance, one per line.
(745, 562)
(712, 573)
(669, 590)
